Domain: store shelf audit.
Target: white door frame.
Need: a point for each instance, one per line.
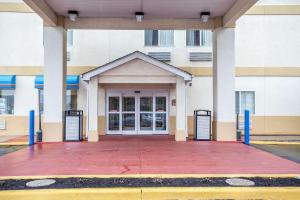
(143, 93)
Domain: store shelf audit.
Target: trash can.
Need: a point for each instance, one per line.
(73, 125)
(202, 125)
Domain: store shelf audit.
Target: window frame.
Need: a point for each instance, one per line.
(200, 36)
(70, 37)
(158, 38)
(12, 105)
(239, 92)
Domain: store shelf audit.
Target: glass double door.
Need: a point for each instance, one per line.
(137, 114)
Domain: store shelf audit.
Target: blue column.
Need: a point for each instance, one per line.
(247, 127)
(31, 127)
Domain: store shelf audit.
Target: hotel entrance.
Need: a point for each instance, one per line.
(137, 112)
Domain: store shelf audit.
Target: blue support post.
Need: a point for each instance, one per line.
(247, 127)
(31, 127)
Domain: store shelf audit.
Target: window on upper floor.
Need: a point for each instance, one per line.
(244, 100)
(198, 38)
(70, 37)
(163, 38)
(6, 101)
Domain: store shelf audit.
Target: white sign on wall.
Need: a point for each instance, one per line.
(203, 127)
(72, 128)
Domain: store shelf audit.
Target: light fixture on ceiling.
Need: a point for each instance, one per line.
(73, 14)
(139, 16)
(205, 16)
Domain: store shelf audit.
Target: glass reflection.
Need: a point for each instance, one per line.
(160, 121)
(146, 122)
(160, 104)
(128, 104)
(113, 122)
(113, 104)
(128, 122)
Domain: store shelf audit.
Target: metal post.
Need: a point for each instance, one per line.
(39, 132)
(31, 127)
(247, 127)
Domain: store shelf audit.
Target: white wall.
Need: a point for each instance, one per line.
(21, 39)
(274, 96)
(95, 48)
(268, 41)
(200, 95)
(26, 96)
(278, 2)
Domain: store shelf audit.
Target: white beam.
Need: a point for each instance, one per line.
(43, 10)
(236, 11)
(132, 24)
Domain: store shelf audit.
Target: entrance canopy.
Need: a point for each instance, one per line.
(158, 14)
(141, 56)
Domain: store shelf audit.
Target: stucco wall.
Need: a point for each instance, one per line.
(268, 41)
(21, 39)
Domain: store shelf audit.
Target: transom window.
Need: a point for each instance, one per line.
(198, 38)
(244, 100)
(159, 37)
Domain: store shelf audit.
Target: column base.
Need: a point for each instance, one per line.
(224, 131)
(53, 132)
(180, 135)
(93, 136)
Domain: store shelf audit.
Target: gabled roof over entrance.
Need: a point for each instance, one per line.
(136, 55)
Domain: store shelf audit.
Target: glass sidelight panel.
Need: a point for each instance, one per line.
(146, 121)
(128, 122)
(113, 121)
(160, 121)
(113, 113)
(160, 104)
(146, 113)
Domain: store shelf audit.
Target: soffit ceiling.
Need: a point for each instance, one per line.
(184, 9)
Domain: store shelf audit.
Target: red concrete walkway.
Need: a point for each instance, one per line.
(143, 155)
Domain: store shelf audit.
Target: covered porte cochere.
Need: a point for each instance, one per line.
(137, 95)
(127, 83)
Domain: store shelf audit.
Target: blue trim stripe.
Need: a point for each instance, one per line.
(72, 82)
(7, 81)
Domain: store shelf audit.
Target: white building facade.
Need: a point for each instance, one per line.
(170, 67)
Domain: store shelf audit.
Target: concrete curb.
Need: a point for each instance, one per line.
(154, 176)
(14, 144)
(275, 142)
(274, 193)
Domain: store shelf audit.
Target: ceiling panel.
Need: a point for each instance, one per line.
(152, 8)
